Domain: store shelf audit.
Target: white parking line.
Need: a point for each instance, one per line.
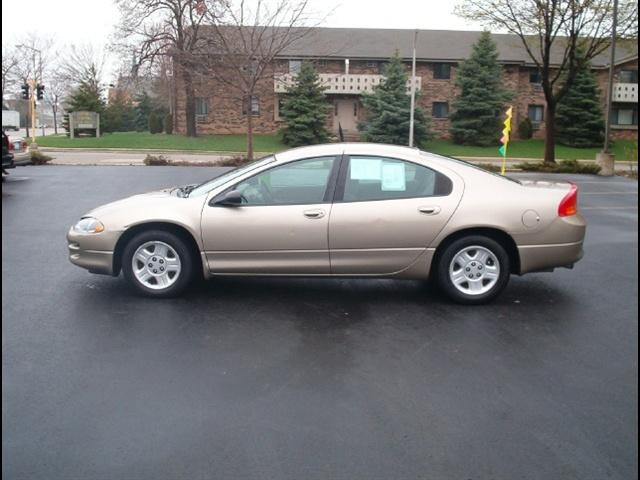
(609, 208)
(609, 193)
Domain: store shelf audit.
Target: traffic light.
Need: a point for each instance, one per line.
(25, 91)
(40, 92)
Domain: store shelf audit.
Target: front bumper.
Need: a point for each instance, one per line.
(539, 258)
(88, 251)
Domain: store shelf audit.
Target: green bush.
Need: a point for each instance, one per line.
(525, 129)
(168, 124)
(39, 158)
(155, 123)
(564, 166)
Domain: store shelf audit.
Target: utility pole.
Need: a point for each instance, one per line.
(605, 158)
(413, 89)
(34, 86)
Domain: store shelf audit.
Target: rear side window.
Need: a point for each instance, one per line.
(380, 178)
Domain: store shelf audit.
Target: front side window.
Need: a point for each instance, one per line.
(624, 115)
(629, 76)
(441, 71)
(380, 178)
(297, 183)
(440, 110)
(536, 113)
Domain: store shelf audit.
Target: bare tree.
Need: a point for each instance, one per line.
(9, 62)
(154, 29)
(557, 35)
(55, 92)
(244, 41)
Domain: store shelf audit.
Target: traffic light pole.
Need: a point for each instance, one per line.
(34, 84)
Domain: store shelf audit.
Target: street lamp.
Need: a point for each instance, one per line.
(34, 84)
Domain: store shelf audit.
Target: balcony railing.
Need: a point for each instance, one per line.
(625, 92)
(340, 83)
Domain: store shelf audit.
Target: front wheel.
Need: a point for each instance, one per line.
(473, 270)
(157, 263)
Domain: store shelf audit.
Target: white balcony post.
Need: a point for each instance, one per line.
(346, 66)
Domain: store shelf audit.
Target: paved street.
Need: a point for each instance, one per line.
(306, 378)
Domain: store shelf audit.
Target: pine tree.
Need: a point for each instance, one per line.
(389, 110)
(119, 114)
(478, 108)
(143, 109)
(86, 96)
(579, 118)
(305, 110)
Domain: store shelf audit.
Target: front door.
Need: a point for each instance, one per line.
(387, 212)
(281, 226)
(345, 115)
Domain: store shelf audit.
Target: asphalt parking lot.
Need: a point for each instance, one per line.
(310, 379)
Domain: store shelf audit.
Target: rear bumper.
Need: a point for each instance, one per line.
(536, 258)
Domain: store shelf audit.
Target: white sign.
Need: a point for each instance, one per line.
(393, 177)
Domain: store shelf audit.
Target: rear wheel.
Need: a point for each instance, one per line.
(473, 270)
(157, 263)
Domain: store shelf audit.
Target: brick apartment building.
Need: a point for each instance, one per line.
(350, 62)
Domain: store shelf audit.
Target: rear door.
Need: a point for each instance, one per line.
(386, 213)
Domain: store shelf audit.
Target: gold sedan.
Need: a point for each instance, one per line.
(340, 210)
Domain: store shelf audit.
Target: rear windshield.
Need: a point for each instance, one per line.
(471, 165)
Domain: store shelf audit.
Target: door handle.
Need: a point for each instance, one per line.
(315, 213)
(431, 210)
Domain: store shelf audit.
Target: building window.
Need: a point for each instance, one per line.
(280, 100)
(626, 115)
(372, 64)
(535, 76)
(295, 66)
(536, 113)
(202, 108)
(253, 103)
(442, 71)
(321, 63)
(440, 110)
(628, 76)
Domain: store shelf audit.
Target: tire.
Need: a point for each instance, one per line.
(478, 264)
(172, 264)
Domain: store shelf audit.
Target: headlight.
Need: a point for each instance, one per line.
(89, 225)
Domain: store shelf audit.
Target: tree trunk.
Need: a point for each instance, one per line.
(249, 133)
(190, 103)
(55, 120)
(550, 134)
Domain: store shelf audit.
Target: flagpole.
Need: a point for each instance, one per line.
(413, 88)
(505, 139)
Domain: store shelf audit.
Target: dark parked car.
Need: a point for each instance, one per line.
(7, 156)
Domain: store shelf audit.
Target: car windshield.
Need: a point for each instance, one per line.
(471, 165)
(209, 185)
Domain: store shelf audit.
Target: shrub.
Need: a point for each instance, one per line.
(39, 158)
(232, 161)
(168, 124)
(565, 166)
(525, 129)
(155, 123)
(156, 160)
(489, 166)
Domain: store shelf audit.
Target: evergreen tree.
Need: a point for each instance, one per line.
(119, 114)
(389, 110)
(305, 110)
(86, 96)
(143, 109)
(478, 108)
(579, 118)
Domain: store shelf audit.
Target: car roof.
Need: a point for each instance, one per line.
(347, 148)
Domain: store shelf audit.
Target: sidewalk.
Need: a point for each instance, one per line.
(81, 156)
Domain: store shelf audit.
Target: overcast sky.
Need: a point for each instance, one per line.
(92, 21)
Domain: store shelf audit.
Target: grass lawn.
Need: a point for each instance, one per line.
(273, 143)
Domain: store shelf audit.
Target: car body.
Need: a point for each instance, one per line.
(19, 147)
(7, 156)
(341, 210)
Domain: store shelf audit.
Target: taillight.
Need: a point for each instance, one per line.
(11, 146)
(569, 204)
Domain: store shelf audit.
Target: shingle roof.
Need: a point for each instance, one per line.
(432, 45)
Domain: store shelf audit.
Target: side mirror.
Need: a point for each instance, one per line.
(232, 198)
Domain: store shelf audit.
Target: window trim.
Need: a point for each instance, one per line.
(433, 110)
(631, 71)
(342, 179)
(327, 199)
(535, 122)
